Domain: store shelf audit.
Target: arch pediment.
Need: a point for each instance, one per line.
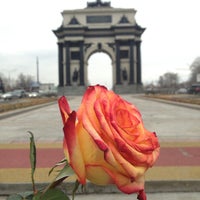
(74, 21)
(123, 20)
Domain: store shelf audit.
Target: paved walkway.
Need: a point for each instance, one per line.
(176, 126)
(151, 196)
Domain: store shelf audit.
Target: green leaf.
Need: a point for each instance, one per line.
(32, 158)
(32, 152)
(52, 194)
(63, 174)
(58, 164)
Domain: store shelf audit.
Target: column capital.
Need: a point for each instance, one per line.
(66, 43)
(138, 42)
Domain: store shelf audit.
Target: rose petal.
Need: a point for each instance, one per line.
(97, 175)
(75, 154)
(65, 148)
(64, 108)
(127, 184)
(131, 170)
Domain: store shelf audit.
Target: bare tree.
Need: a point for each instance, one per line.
(24, 81)
(6, 82)
(195, 69)
(2, 88)
(168, 80)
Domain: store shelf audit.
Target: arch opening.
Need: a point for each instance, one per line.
(100, 70)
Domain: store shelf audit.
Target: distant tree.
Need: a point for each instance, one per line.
(2, 88)
(24, 81)
(6, 82)
(195, 69)
(168, 80)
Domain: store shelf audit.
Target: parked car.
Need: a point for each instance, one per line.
(181, 91)
(194, 89)
(33, 94)
(7, 96)
(152, 90)
(18, 93)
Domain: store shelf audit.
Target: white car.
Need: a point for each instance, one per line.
(7, 96)
(33, 94)
(181, 91)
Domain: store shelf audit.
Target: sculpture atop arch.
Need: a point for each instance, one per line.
(98, 3)
(99, 28)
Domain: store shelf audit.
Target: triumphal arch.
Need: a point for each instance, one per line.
(99, 28)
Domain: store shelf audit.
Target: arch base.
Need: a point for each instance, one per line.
(71, 90)
(128, 89)
(119, 89)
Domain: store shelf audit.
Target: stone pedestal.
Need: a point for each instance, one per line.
(128, 89)
(71, 90)
(76, 90)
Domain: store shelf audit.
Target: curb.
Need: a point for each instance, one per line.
(150, 187)
(24, 110)
(181, 104)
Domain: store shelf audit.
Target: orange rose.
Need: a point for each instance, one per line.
(106, 142)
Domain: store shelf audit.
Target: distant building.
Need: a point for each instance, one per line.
(35, 87)
(47, 87)
(44, 88)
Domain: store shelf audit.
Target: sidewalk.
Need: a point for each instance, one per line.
(150, 196)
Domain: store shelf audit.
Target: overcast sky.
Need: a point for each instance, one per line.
(170, 43)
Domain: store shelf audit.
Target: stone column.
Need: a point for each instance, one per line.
(67, 56)
(118, 70)
(81, 64)
(139, 79)
(60, 65)
(131, 60)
